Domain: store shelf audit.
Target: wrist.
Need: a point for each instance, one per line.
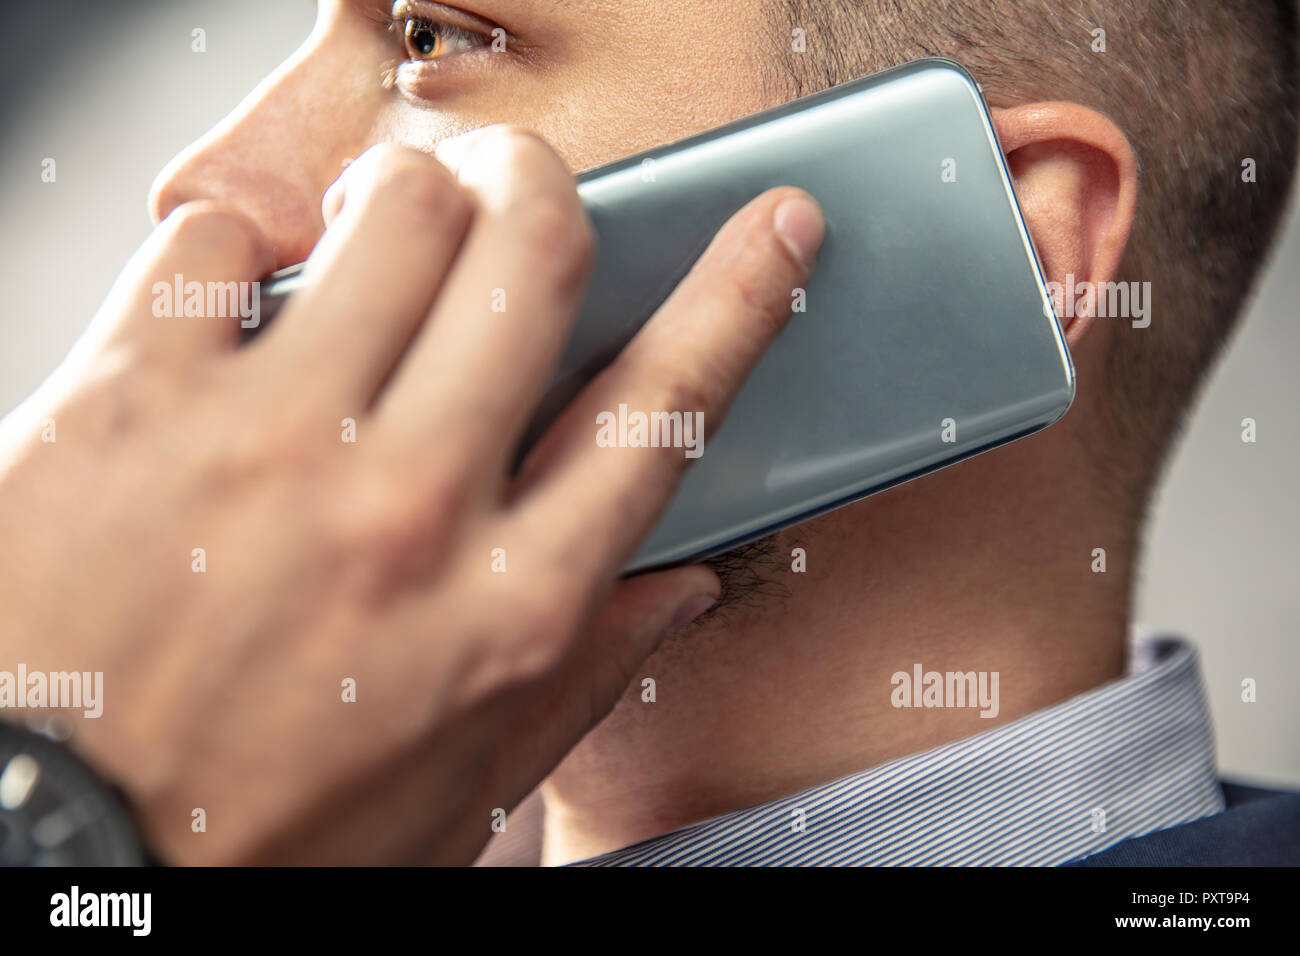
(55, 808)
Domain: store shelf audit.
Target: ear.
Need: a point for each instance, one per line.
(1076, 179)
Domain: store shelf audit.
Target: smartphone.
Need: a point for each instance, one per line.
(925, 336)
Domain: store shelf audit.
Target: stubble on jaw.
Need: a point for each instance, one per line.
(753, 582)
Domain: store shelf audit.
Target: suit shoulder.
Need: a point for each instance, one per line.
(1258, 827)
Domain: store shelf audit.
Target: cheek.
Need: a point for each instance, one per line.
(610, 113)
(601, 109)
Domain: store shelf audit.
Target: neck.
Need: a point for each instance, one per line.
(768, 699)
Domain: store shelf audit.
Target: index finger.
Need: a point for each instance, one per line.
(691, 357)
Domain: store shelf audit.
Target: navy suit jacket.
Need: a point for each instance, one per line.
(1258, 828)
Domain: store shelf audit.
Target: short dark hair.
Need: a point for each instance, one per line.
(1198, 87)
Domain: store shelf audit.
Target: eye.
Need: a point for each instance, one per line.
(427, 39)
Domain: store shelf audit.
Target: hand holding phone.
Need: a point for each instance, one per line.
(303, 567)
(926, 336)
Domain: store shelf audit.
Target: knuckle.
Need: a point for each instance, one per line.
(503, 153)
(389, 528)
(755, 294)
(517, 642)
(531, 656)
(539, 635)
(382, 154)
(515, 146)
(557, 225)
(395, 524)
(376, 524)
(381, 161)
(127, 390)
(421, 190)
(683, 390)
(246, 458)
(537, 197)
(206, 224)
(503, 659)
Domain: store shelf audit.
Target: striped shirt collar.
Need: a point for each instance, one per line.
(1128, 758)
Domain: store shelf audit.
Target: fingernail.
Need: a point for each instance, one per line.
(798, 221)
(692, 608)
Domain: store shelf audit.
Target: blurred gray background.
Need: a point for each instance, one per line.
(112, 90)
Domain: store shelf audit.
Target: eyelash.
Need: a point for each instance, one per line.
(402, 19)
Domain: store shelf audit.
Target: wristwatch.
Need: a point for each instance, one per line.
(55, 810)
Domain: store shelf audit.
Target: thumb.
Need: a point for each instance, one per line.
(624, 632)
(626, 629)
(641, 612)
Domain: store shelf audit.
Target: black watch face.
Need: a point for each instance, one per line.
(55, 812)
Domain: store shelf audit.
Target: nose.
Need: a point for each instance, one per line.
(274, 156)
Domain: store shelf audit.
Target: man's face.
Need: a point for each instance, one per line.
(597, 78)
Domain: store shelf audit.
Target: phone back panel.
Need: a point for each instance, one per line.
(928, 335)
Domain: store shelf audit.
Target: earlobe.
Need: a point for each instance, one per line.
(1076, 179)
